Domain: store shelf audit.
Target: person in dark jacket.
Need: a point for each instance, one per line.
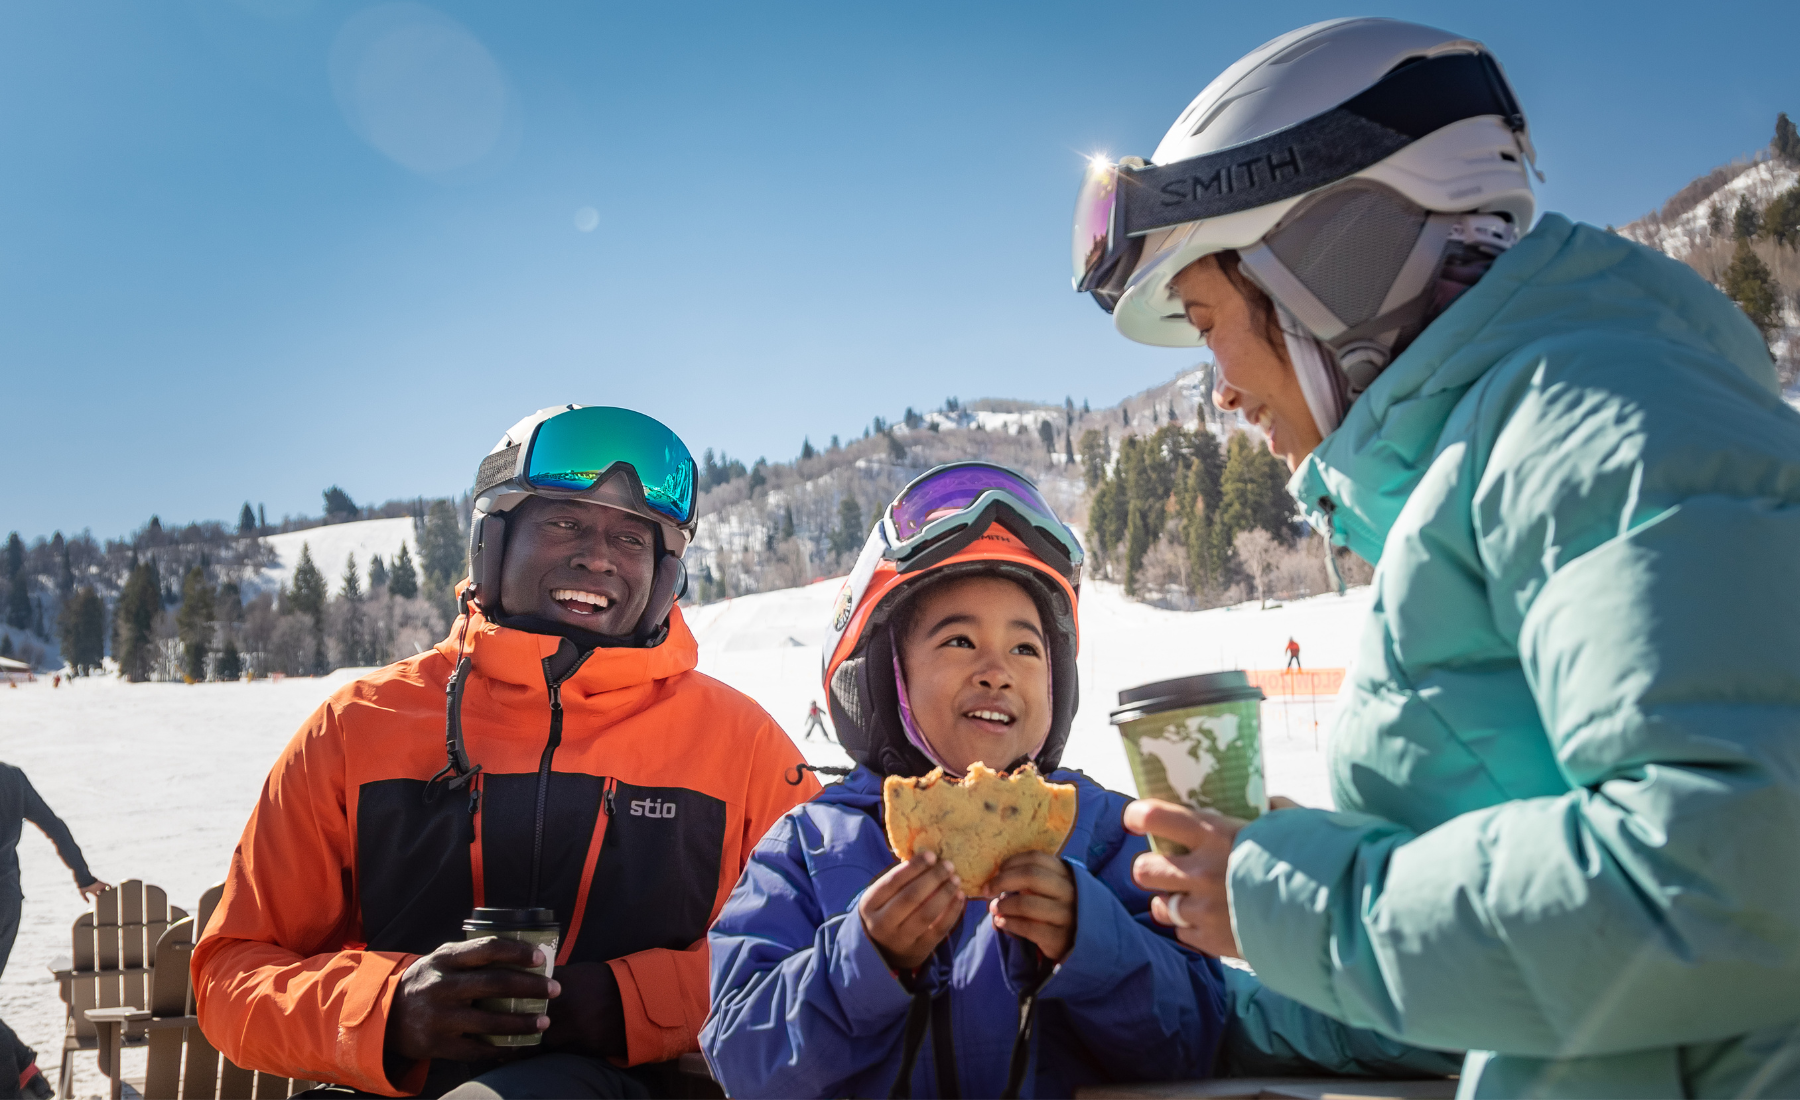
(19, 803)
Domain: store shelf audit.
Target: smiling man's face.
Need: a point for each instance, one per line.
(585, 565)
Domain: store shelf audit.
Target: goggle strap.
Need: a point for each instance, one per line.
(496, 469)
(1409, 103)
(1045, 549)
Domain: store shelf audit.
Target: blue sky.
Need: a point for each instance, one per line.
(252, 248)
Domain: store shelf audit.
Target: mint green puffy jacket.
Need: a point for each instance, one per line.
(1567, 759)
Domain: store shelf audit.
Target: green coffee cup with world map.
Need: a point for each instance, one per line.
(1196, 741)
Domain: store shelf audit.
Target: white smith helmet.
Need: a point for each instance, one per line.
(1329, 158)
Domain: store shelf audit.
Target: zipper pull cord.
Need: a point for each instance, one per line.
(607, 803)
(1331, 565)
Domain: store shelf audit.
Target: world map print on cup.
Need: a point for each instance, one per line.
(1196, 741)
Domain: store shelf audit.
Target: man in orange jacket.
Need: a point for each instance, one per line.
(580, 765)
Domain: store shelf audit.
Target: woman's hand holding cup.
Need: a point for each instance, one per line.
(1196, 903)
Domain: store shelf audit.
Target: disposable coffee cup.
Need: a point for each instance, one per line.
(534, 926)
(1196, 741)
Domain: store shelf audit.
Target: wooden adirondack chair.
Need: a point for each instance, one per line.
(111, 950)
(181, 1064)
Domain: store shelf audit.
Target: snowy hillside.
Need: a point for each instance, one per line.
(1697, 227)
(767, 646)
(1682, 235)
(330, 545)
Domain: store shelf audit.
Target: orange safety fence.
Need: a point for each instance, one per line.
(1282, 683)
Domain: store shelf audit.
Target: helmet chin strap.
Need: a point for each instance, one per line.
(1320, 380)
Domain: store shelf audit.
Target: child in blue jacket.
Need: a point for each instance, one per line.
(837, 971)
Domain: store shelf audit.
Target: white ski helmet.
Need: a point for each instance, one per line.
(1338, 160)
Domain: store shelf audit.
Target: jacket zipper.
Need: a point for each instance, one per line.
(543, 783)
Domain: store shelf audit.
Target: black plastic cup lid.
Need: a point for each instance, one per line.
(1183, 692)
(510, 919)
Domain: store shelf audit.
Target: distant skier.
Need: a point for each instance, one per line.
(815, 720)
(1293, 652)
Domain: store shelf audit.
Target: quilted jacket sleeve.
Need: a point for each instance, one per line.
(1641, 550)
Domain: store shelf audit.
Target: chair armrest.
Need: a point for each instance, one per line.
(122, 1014)
(163, 1023)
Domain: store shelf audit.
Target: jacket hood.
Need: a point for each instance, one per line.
(1562, 277)
(516, 657)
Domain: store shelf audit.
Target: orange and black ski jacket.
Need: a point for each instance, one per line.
(661, 783)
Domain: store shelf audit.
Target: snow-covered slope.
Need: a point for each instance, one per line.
(331, 544)
(1681, 235)
(767, 646)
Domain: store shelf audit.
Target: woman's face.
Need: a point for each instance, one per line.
(977, 670)
(1255, 376)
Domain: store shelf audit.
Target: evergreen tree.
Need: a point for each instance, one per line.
(308, 592)
(1787, 141)
(759, 475)
(1094, 454)
(835, 445)
(1048, 435)
(1084, 407)
(1781, 220)
(352, 644)
(338, 506)
(848, 538)
(262, 519)
(37, 618)
(896, 449)
(442, 554)
(194, 623)
(18, 601)
(378, 574)
(134, 622)
(787, 522)
(806, 449)
(1746, 222)
(402, 580)
(1750, 284)
(246, 521)
(228, 603)
(231, 665)
(12, 559)
(6, 646)
(1068, 412)
(1252, 494)
(65, 572)
(82, 626)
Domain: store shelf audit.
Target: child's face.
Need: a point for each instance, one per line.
(978, 672)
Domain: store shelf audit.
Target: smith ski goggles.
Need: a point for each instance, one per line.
(570, 453)
(945, 509)
(1119, 203)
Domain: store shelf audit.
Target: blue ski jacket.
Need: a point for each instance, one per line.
(803, 1004)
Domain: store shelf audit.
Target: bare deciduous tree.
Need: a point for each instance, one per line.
(1257, 550)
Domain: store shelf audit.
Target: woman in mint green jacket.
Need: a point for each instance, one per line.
(1567, 761)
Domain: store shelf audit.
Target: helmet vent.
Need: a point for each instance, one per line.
(1348, 247)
